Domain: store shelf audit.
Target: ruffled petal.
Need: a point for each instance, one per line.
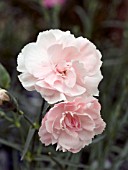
(28, 81)
(21, 64)
(46, 39)
(91, 83)
(70, 78)
(87, 122)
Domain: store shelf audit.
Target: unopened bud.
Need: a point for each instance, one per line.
(7, 101)
(4, 97)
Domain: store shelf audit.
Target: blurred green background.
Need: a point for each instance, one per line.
(105, 23)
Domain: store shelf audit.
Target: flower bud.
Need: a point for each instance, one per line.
(7, 101)
(4, 97)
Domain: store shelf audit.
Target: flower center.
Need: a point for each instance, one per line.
(70, 121)
(62, 73)
(62, 68)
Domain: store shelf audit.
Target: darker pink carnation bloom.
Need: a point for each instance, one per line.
(52, 3)
(72, 125)
(60, 66)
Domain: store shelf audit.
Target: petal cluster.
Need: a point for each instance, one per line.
(60, 66)
(64, 69)
(72, 125)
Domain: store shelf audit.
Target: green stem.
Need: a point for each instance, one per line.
(8, 118)
(32, 164)
(27, 118)
(34, 125)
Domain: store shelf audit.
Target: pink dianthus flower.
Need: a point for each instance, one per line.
(72, 125)
(60, 66)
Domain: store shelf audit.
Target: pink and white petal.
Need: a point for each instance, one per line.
(75, 91)
(92, 113)
(71, 132)
(70, 53)
(63, 37)
(53, 140)
(57, 123)
(58, 54)
(87, 142)
(51, 78)
(51, 96)
(84, 101)
(46, 39)
(55, 54)
(87, 122)
(58, 85)
(85, 135)
(44, 91)
(100, 126)
(56, 97)
(35, 59)
(49, 126)
(68, 91)
(93, 109)
(43, 71)
(80, 71)
(75, 150)
(92, 64)
(20, 61)
(56, 134)
(67, 141)
(43, 84)
(91, 83)
(85, 46)
(58, 33)
(70, 79)
(45, 137)
(61, 87)
(61, 66)
(67, 40)
(55, 113)
(81, 43)
(28, 81)
(89, 54)
(96, 105)
(99, 54)
(58, 147)
(70, 106)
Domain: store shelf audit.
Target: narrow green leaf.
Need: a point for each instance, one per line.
(10, 144)
(5, 79)
(27, 143)
(72, 164)
(42, 158)
(63, 162)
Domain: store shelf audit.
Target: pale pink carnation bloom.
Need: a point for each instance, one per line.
(72, 125)
(52, 3)
(60, 66)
